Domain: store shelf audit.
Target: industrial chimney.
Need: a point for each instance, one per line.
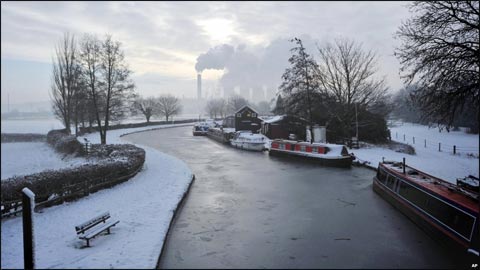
(199, 86)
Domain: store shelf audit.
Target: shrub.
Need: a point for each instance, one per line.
(64, 143)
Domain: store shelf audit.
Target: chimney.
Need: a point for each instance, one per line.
(199, 86)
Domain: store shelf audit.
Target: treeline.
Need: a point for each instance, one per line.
(221, 107)
(340, 91)
(90, 82)
(406, 107)
(163, 106)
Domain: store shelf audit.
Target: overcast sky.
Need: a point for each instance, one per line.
(162, 40)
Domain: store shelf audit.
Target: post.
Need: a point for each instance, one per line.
(425, 143)
(403, 137)
(439, 147)
(454, 149)
(396, 135)
(403, 165)
(383, 159)
(413, 139)
(28, 204)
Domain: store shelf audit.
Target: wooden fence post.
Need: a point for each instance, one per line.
(425, 143)
(403, 165)
(28, 204)
(439, 147)
(403, 137)
(413, 139)
(454, 149)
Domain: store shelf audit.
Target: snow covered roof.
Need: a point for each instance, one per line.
(246, 106)
(274, 119)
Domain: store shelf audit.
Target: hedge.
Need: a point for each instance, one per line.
(117, 164)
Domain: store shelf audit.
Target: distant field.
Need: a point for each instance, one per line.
(43, 126)
(32, 157)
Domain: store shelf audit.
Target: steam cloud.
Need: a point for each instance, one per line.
(256, 68)
(215, 58)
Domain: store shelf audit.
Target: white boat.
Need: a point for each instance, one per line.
(249, 141)
(200, 129)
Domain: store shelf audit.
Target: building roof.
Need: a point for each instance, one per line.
(246, 106)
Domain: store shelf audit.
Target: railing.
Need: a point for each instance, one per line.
(448, 148)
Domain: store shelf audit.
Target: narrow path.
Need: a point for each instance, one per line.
(250, 210)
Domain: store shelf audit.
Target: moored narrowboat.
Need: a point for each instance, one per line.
(446, 211)
(325, 154)
(222, 135)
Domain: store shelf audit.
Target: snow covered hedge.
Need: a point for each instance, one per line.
(117, 164)
(64, 143)
(22, 137)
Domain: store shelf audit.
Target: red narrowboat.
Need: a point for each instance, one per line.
(326, 154)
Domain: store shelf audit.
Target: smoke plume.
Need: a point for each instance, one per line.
(215, 58)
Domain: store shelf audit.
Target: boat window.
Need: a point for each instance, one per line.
(281, 146)
(315, 150)
(302, 148)
(381, 175)
(443, 212)
(390, 181)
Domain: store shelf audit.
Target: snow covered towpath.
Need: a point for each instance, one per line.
(144, 205)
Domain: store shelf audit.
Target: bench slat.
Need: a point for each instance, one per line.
(92, 222)
(99, 229)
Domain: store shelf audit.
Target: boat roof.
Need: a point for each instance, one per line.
(435, 185)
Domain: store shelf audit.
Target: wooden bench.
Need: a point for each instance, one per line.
(95, 226)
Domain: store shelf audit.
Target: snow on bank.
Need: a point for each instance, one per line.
(144, 205)
(464, 142)
(443, 164)
(33, 157)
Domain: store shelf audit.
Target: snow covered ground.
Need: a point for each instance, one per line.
(441, 164)
(31, 157)
(144, 205)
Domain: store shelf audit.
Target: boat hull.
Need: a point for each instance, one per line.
(220, 137)
(248, 146)
(446, 238)
(342, 161)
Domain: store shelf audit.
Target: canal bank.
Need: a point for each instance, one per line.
(250, 210)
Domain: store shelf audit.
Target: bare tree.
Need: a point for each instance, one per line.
(263, 108)
(347, 72)
(66, 75)
(235, 103)
(169, 105)
(116, 86)
(90, 59)
(147, 106)
(216, 107)
(440, 51)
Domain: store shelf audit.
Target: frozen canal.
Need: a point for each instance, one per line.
(250, 210)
